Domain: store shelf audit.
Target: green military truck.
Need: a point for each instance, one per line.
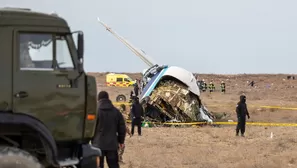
(47, 102)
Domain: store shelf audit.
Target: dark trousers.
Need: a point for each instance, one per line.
(241, 126)
(136, 92)
(137, 122)
(112, 159)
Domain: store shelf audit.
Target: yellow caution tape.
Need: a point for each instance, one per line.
(119, 103)
(220, 105)
(227, 123)
(260, 106)
(260, 124)
(279, 107)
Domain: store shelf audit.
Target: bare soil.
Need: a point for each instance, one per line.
(269, 90)
(210, 147)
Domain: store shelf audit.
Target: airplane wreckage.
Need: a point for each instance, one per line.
(169, 93)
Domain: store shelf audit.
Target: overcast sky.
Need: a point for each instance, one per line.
(204, 36)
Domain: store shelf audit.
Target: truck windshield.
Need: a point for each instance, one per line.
(37, 52)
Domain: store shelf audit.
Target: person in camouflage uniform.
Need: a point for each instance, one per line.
(211, 87)
(121, 150)
(223, 87)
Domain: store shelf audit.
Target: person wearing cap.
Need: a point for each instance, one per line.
(211, 87)
(136, 114)
(110, 131)
(242, 112)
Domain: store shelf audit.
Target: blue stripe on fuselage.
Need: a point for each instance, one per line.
(147, 90)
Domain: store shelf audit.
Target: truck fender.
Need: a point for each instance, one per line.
(36, 125)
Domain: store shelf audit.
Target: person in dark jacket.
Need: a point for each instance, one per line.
(242, 112)
(136, 89)
(110, 131)
(136, 114)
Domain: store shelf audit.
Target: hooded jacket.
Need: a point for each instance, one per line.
(111, 128)
(136, 110)
(241, 108)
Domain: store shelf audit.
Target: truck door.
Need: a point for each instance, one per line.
(44, 84)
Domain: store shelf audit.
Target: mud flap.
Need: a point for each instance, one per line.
(90, 157)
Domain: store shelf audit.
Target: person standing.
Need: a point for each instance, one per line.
(204, 86)
(242, 112)
(136, 89)
(110, 131)
(131, 96)
(223, 87)
(136, 114)
(211, 87)
(122, 149)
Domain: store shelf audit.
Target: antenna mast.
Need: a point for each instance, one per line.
(135, 50)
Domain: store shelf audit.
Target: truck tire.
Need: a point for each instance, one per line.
(17, 158)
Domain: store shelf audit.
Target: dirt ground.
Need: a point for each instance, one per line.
(212, 147)
(269, 90)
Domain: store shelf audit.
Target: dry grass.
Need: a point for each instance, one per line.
(279, 93)
(211, 147)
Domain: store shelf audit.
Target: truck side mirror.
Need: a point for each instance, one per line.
(80, 50)
(80, 45)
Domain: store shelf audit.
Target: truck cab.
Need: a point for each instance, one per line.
(47, 103)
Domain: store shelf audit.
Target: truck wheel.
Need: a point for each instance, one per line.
(17, 158)
(121, 98)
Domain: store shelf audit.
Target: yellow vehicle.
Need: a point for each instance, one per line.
(119, 80)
